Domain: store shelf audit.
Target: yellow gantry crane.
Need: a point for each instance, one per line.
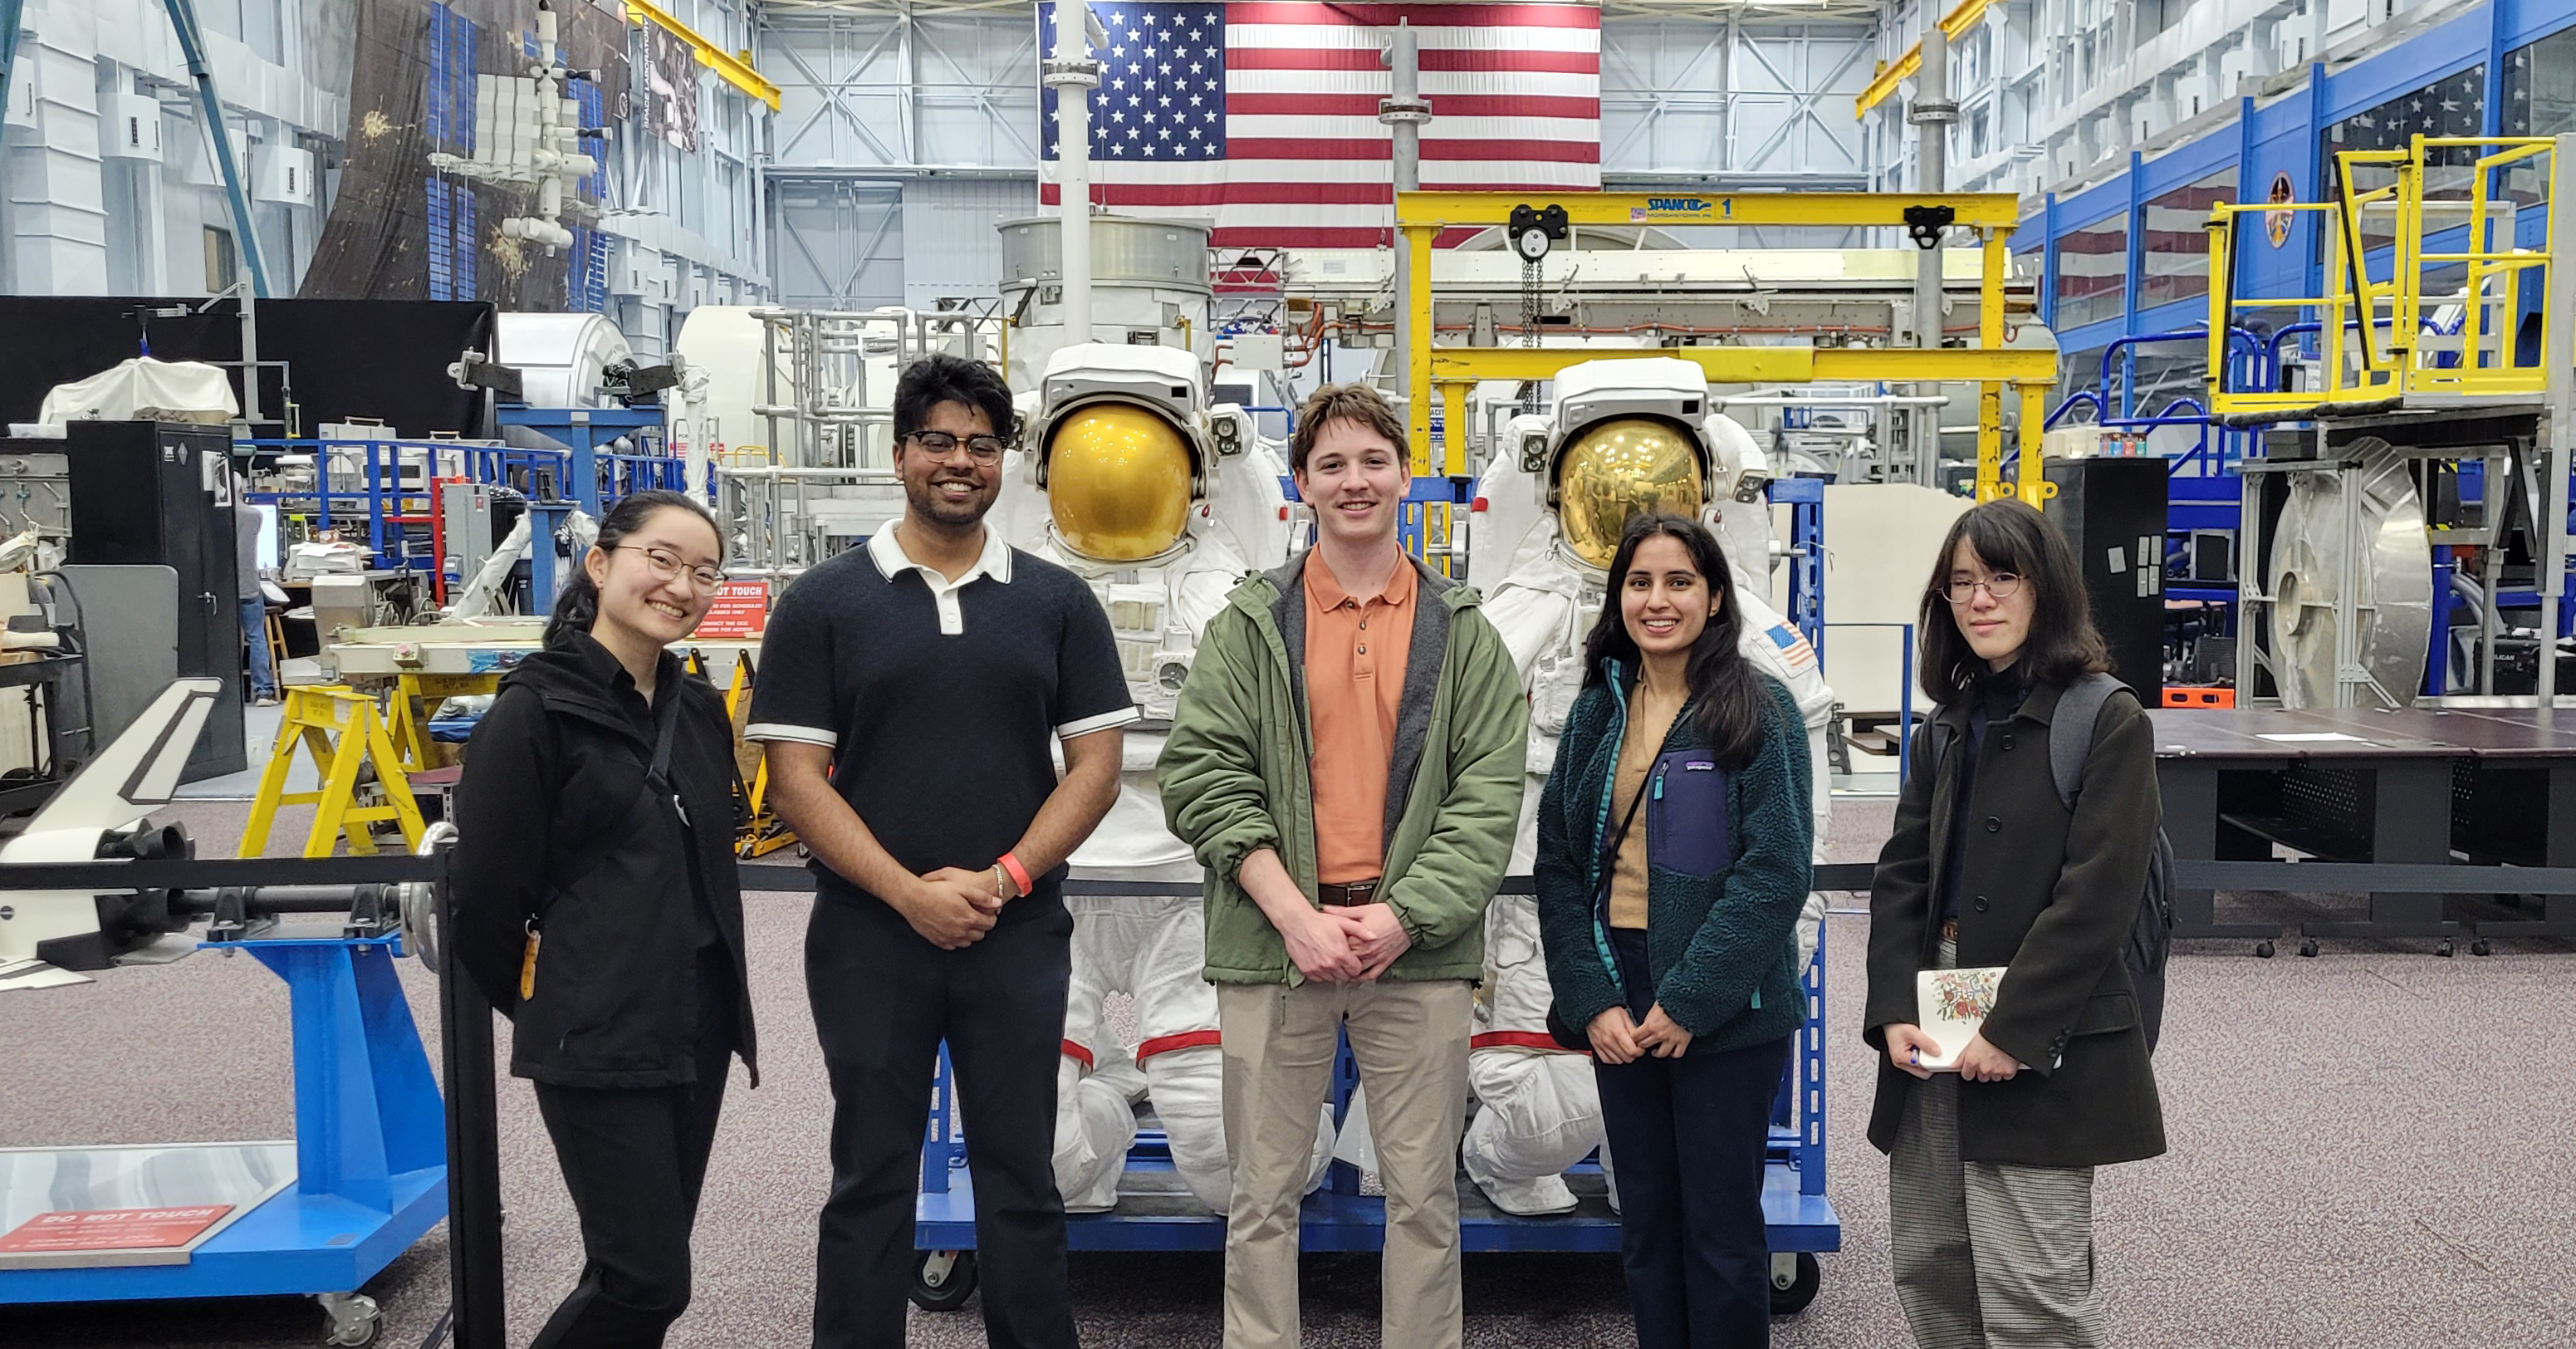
(2027, 374)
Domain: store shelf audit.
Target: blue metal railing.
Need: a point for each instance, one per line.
(383, 500)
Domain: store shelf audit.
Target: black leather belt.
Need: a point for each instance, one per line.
(1345, 896)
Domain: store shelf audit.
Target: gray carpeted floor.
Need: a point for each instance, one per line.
(2370, 1149)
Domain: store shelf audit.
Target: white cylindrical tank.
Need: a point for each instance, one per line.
(560, 356)
(722, 342)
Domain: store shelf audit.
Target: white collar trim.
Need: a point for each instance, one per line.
(892, 561)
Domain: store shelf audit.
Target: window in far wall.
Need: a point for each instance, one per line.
(223, 264)
(2092, 272)
(2175, 241)
(2540, 87)
(2539, 93)
(2450, 106)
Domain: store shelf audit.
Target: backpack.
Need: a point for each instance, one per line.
(2070, 743)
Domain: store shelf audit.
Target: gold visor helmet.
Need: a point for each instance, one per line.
(1621, 468)
(1118, 482)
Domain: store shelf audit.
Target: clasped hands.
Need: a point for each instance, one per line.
(952, 908)
(1618, 1038)
(1345, 943)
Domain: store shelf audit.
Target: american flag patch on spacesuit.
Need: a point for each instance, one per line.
(1794, 650)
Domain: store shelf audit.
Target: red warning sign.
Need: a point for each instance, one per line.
(741, 610)
(112, 1229)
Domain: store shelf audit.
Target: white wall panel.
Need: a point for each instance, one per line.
(1713, 96)
(837, 244)
(880, 89)
(951, 249)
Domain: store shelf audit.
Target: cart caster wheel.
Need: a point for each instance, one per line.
(2443, 948)
(355, 1319)
(2480, 947)
(2308, 948)
(1794, 1281)
(941, 1280)
(2263, 950)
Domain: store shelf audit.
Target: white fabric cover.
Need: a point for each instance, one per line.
(118, 392)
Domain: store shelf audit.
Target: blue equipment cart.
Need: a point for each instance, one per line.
(1156, 1212)
(364, 1177)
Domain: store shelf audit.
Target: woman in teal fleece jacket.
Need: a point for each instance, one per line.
(1673, 845)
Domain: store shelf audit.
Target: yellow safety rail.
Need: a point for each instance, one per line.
(2028, 373)
(2373, 351)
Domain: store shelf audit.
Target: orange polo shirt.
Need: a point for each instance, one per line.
(1355, 657)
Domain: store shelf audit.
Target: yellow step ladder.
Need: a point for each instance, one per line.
(766, 833)
(342, 731)
(416, 699)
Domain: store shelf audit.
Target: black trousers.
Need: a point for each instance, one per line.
(1687, 1136)
(883, 1000)
(634, 1159)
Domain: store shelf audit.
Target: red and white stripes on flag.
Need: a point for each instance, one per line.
(1515, 92)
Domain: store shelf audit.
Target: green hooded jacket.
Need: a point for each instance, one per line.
(1234, 775)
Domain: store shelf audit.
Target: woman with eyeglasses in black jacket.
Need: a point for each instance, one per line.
(598, 907)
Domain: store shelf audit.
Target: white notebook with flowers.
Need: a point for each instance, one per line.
(1950, 1006)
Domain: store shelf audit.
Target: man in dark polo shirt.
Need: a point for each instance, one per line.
(909, 695)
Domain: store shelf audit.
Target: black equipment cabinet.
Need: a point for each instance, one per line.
(2112, 510)
(160, 494)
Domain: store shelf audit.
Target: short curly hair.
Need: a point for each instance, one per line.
(1356, 403)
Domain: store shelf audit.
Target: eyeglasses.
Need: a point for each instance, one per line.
(940, 445)
(1962, 590)
(668, 566)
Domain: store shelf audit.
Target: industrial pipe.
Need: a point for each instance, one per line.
(1932, 114)
(1405, 112)
(1073, 75)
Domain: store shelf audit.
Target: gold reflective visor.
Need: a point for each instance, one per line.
(1619, 469)
(1118, 482)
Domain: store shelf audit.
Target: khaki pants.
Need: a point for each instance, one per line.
(1410, 1039)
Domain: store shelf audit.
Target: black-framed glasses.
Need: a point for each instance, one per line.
(1963, 589)
(940, 445)
(669, 565)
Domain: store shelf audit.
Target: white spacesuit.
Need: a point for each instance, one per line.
(1128, 459)
(1628, 435)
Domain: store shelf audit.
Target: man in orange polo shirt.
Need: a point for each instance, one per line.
(1346, 761)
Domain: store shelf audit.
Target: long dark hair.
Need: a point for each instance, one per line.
(1726, 696)
(2063, 644)
(577, 604)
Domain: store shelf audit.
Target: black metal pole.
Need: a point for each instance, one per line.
(473, 1144)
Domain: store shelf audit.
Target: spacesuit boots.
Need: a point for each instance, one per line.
(1537, 1110)
(1152, 948)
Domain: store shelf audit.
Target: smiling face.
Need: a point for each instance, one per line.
(1355, 479)
(1995, 626)
(1663, 600)
(637, 594)
(950, 490)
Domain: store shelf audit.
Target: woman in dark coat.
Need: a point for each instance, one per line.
(1991, 1165)
(598, 907)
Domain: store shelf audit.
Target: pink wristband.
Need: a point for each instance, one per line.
(1019, 874)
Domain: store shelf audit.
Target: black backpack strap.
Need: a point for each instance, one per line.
(2070, 733)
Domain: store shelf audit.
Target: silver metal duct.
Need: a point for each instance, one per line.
(2352, 581)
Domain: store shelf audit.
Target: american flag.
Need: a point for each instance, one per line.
(1261, 115)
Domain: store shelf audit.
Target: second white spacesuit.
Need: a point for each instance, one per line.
(1129, 468)
(1538, 1110)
